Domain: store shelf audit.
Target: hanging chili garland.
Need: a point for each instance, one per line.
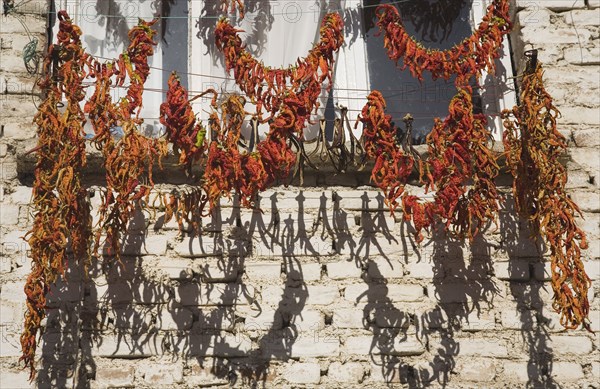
(458, 152)
(533, 146)
(392, 167)
(458, 148)
(62, 211)
(466, 59)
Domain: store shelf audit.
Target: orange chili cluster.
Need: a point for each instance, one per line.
(270, 88)
(182, 130)
(290, 95)
(129, 161)
(227, 168)
(533, 146)
(231, 5)
(458, 152)
(61, 203)
(392, 167)
(186, 206)
(465, 59)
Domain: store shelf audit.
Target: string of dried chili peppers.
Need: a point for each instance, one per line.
(61, 203)
(290, 95)
(392, 167)
(458, 152)
(231, 5)
(465, 59)
(533, 146)
(129, 161)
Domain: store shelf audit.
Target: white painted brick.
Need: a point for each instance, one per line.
(322, 294)
(559, 36)
(12, 292)
(349, 372)
(115, 377)
(596, 370)
(420, 270)
(314, 246)
(192, 294)
(512, 270)
(519, 371)
(556, 5)
(160, 374)
(342, 270)
(171, 319)
(310, 272)
(381, 268)
(477, 370)
(9, 214)
(313, 344)
(303, 373)
(203, 246)
(358, 344)
(586, 137)
(580, 115)
(263, 320)
(222, 344)
(567, 372)
(587, 201)
(217, 269)
(475, 321)
(3, 150)
(394, 292)
(16, 380)
(20, 195)
(483, 347)
(513, 319)
(579, 345)
(582, 55)
(10, 345)
(257, 271)
(204, 376)
(592, 268)
(542, 271)
(307, 320)
(174, 268)
(13, 242)
(534, 16)
(348, 318)
(581, 17)
(11, 24)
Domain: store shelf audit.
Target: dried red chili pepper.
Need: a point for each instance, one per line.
(465, 60)
(533, 146)
(59, 199)
(392, 167)
(458, 152)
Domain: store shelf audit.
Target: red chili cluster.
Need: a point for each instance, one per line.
(458, 152)
(59, 199)
(533, 146)
(392, 167)
(465, 59)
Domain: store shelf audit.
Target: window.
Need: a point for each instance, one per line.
(278, 32)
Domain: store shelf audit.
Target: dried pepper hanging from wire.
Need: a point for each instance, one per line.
(187, 135)
(392, 167)
(268, 87)
(231, 5)
(59, 199)
(458, 152)
(466, 59)
(129, 161)
(533, 146)
(289, 95)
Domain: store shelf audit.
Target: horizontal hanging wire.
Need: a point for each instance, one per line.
(95, 15)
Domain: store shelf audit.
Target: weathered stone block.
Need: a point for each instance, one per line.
(303, 373)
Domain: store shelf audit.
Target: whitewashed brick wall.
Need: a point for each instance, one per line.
(317, 290)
